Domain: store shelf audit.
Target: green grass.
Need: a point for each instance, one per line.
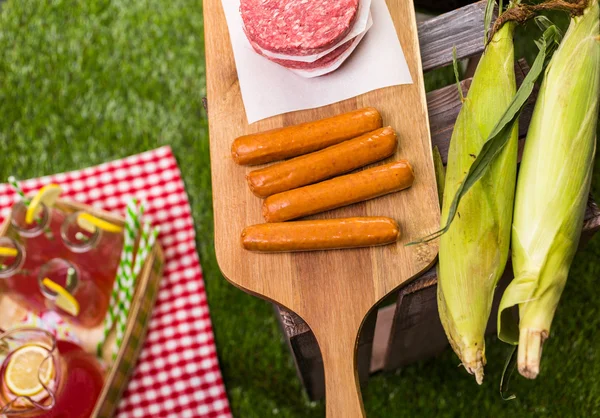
(84, 82)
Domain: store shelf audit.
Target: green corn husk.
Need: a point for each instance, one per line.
(474, 251)
(553, 187)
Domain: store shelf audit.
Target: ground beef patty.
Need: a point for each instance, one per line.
(298, 27)
(321, 62)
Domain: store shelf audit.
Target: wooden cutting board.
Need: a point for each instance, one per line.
(332, 291)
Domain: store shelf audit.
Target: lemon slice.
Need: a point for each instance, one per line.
(90, 223)
(64, 300)
(25, 368)
(8, 252)
(46, 195)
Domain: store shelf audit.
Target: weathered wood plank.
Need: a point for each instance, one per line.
(307, 356)
(591, 222)
(385, 318)
(439, 6)
(462, 28)
(417, 332)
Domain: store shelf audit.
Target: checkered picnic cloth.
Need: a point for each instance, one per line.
(178, 372)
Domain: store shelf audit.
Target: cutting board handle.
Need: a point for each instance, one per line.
(342, 388)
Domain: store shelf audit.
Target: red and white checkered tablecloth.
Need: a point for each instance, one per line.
(178, 372)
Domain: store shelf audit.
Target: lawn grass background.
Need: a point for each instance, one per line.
(85, 82)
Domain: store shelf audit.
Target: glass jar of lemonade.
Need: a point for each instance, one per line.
(41, 377)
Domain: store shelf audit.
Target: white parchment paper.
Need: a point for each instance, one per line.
(268, 89)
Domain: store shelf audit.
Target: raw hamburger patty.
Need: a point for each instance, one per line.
(321, 62)
(298, 27)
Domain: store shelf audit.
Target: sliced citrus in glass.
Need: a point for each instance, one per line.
(25, 369)
(64, 300)
(47, 195)
(8, 252)
(90, 223)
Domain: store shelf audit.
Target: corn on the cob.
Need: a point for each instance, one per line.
(553, 187)
(474, 251)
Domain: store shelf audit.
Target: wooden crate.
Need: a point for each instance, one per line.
(118, 371)
(409, 329)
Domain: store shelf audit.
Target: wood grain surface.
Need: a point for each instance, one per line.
(332, 291)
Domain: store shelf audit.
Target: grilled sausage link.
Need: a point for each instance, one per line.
(338, 192)
(324, 164)
(282, 143)
(320, 235)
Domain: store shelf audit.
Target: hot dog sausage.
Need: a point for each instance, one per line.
(282, 143)
(338, 192)
(320, 235)
(324, 164)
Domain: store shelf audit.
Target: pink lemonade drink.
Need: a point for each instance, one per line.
(92, 299)
(98, 251)
(18, 273)
(41, 238)
(42, 377)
